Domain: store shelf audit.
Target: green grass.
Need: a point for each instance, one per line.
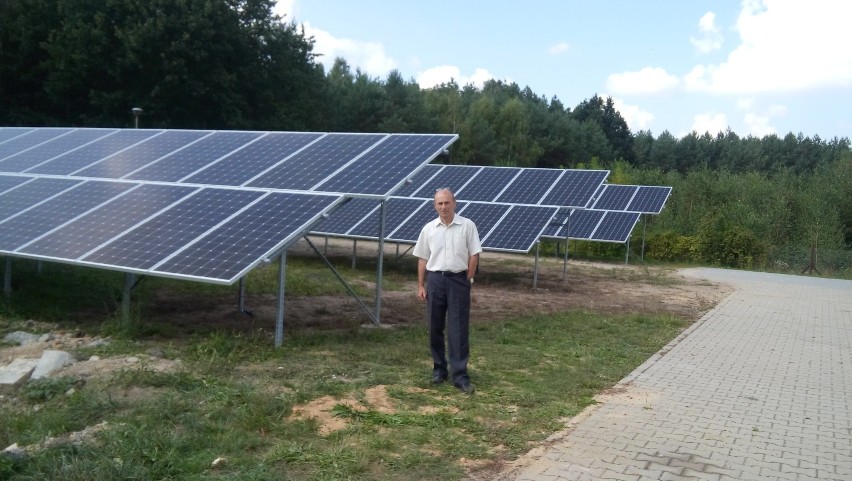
(234, 395)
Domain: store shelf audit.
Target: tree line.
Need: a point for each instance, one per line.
(233, 64)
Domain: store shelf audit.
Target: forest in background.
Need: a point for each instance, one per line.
(231, 64)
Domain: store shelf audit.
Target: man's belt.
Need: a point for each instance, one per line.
(450, 273)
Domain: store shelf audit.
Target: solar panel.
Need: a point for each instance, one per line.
(8, 181)
(409, 230)
(650, 199)
(32, 223)
(102, 224)
(29, 193)
(615, 226)
(142, 154)
(7, 133)
(615, 197)
(415, 182)
(582, 223)
(519, 229)
(240, 244)
(453, 177)
(29, 140)
(246, 163)
(529, 187)
(488, 183)
(556, 227)
(153, 241)
(184, 162)
(346, 216)
(87, 155)
(485, 216)
(575, 188)
(307, 168)
(31, 157)
(396, 158)
(397, 210)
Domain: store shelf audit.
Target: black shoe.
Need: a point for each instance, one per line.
(465, 386)
(438, 378)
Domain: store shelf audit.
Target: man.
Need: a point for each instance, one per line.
(448, 248)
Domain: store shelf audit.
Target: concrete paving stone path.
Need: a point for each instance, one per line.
(760, 388)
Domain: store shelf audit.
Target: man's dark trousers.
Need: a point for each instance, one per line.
(449, 306)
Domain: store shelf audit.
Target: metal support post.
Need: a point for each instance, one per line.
(627, 251)
(39, 266)
(644, 227)
(241, 299)
(325, 246)
(535, 270)
(279, 318)
(354, 251)
(565, 261)
(380, 262)
(7, 278)
(125, 297)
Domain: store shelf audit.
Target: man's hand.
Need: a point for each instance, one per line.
(421, 293)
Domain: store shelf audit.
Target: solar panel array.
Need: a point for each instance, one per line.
(191, 204)
(512, 207)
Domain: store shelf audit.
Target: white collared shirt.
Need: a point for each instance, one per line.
(448, 247)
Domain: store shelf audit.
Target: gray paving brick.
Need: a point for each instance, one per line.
(760, 388)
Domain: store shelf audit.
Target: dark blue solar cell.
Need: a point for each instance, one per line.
(395, 158)
(417, 180)
(30, 193)
(649, 199)
(9, 181)
(142, 154)
(29, 140)
(409, 231)
(519, 229)
(91, 153)
(35, 222)
(102, 224)
(397, 210)
(346, 216)
(246, 163)
(582, 223)
(241, 243)
(529, 187)
(50, 149)
(616, 226)
(488, 183)
(575, 188)
(485, 216)
(316, 162)
(615, 197)
(155, 240)
(557, 226)
(453, 177)
(7, 133)
(200, 154)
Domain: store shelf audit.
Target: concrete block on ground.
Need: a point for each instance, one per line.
(51, 361)
(16, 373)
(21, 337)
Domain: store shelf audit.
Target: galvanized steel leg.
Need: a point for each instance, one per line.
(354, 251)
(279, 318)
(125, 297)
(7, 278)
(535, 270)
(380, 263)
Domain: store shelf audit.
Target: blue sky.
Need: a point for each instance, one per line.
(756, 67)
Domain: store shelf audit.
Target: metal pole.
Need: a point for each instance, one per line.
(627, 251)
(644, 227)
(354, 251)
(565, 261)
(325, 247)
(125, 298)
(7, 278)
(535, 270)
(279, 318)
(380, 262)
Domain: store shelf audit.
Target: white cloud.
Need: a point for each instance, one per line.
(711, 122)
(785, 46)
(559, 48)
(711, 38)
(758, 125)
(370, 57)
(645, 81)
(286, 8)
(636, 118)
(444, 73)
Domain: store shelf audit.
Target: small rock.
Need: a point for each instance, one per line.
(97, 342)
(95, 358)
(14, 452)
(132, 359)
(70, 392)
(46, 337)
(156, 352)
(218, 462)
(21, 337)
